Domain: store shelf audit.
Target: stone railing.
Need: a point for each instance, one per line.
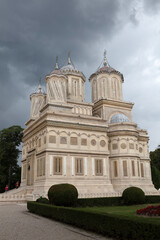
(12, 198)
(99, 195)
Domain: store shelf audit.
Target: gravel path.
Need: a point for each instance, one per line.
(16, 223)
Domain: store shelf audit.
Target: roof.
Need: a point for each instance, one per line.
(106, 69)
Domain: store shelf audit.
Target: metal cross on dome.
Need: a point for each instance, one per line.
(105, 58)
(69, 58)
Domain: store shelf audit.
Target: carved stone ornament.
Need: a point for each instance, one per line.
(93, 142)
(123, 145)
(102, 143)
(63, 140)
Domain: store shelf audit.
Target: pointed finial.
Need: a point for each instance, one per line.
(57, 67)
(105, 59)
(39, 87)
(69, 59)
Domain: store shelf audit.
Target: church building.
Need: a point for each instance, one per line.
(94, 146)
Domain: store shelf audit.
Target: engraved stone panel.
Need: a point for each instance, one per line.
(93, 142)
(140, 150)
(83, 141)
(114, 146)
(52, 139)
(123, 145)
(102, 143)
(63, 140)
(74, 141)
(131, 145)
(44, 139)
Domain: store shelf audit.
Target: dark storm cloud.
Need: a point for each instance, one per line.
(32, 33)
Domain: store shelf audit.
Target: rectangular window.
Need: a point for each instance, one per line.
(79, 166)
(58, 165)
(41, 167)
(138, 169)
(24, 171)
(40, 142)
(125, 174)
(37, 167)
(83, 141)
(115, 169)
(133, 169)
(99, 167)
(52, 139)
(73, 141)
(142, 170)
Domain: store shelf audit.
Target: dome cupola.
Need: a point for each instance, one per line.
(106, 82)
(38, 100)
(75, 81)
(119, 118)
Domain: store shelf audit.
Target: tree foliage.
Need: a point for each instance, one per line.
(155, 167)
(10, 139)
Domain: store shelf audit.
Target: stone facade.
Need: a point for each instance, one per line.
(95, 146)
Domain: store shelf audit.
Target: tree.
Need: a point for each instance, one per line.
(155, 157)
(155, 176)
(155, 167)
(10, 139)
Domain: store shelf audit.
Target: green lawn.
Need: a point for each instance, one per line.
(126, 211)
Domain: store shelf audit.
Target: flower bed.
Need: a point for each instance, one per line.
(149, 211)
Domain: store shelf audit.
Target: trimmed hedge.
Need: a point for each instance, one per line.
(152, 199)
(133, 195)
(105, 201)
(63, 194)
(111, 201)
(121, 227)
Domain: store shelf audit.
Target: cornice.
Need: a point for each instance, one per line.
(114, 103)
(125, 132)
(75, 152)
(55, 123)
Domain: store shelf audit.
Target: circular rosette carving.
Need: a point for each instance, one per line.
(123, 145)
(93, 142)
(102, 143)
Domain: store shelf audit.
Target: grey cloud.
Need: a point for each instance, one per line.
(151, 6)
(33, 32)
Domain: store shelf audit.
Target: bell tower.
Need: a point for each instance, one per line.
(106, 83)
(38, 100)
(107, 96)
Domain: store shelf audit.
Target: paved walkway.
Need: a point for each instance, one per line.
(16, 223)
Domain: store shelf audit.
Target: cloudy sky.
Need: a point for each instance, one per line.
(33, 32)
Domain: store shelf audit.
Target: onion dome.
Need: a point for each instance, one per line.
(118, 118)
(56, 71)
(70, 69)
(39, 90)
(106, 68)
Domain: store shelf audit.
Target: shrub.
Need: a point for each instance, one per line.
(42, 200)
(116, 226)
(103, 201)
(152, 199)
(133, 195)
(63, 194)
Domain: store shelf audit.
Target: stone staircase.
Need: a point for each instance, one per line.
(20, 194)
